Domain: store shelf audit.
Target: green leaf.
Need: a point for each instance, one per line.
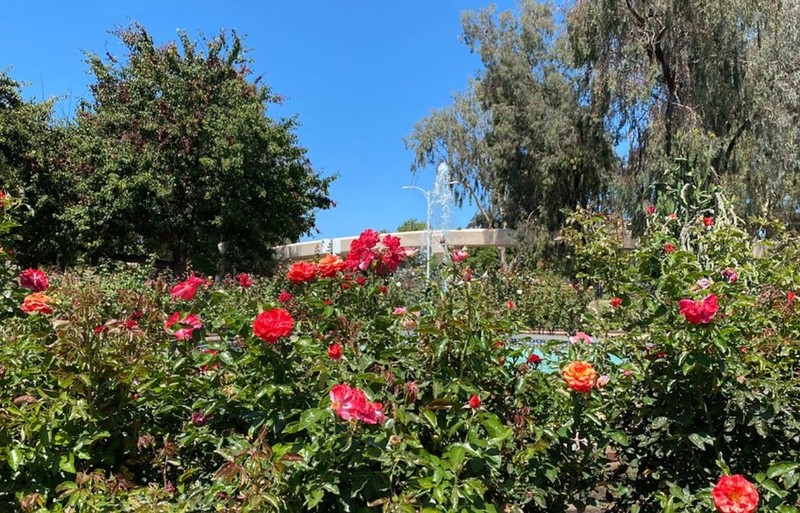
(67, 463)
(697, 440)
(15, 458)
(620, 437)
(456, 455)
(773, 487)
(781, 468)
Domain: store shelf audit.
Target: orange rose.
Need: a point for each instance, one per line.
(580, 376)
(329, 265)
(37, 303)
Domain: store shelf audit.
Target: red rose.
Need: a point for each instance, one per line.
(615, 302)
(273, 324)
(383, 289)
(708, 221)
(699, 312)
(186, 325)
(37, 303)
(735, 494)
(335, 351)
(187, 289)
(534, 359)
(284, 297)
(668, 248)
(244, 280)
(34, 280)
(302, 272)
(466, 274)
(510, 305)
(351, 403)
(651, 209)
(474, 402)
(790, 296)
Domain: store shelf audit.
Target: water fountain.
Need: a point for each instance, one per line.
(440, 206)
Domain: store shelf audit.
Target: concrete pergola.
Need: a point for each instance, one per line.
(471, 238)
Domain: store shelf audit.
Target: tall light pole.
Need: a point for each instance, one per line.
(428, 235)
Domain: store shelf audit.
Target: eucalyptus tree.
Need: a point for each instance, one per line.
(520, 142)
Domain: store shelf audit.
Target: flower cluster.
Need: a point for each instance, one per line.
(370, 252)
(351, 403)
(699, 312)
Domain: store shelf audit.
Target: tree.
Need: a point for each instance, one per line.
(32, 149)
(519, 141)
(178, 157)
(703, 94)
(412, 225)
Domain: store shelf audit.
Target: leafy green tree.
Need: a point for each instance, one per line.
(412, 225)
(32, 167)
(520, 142)
(179, 158)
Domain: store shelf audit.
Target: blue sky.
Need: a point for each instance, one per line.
(358, 74)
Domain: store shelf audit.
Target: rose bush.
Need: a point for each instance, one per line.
(709, 346)
(344, 390)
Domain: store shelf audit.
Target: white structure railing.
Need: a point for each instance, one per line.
(455, 239)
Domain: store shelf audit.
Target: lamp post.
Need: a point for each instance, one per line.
(427, 195)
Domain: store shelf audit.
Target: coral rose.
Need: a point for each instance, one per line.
(34, 280)
(699, 312)
(735, 494)
(302, 272)
(187, 289)
(273, 324)
(459, 255)
(37, 303)
(580, 376)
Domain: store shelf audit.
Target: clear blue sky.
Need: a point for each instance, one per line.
(358, 74)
